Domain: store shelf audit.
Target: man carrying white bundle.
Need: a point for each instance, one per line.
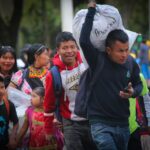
(108, 105)
(106, 19)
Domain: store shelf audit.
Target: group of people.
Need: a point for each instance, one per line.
(141, 52)
(107, 124)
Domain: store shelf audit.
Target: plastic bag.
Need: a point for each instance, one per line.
(18, 97)
(106, 19)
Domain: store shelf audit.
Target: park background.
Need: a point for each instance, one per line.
(33, 21)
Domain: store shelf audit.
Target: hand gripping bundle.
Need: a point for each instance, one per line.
(106, 19)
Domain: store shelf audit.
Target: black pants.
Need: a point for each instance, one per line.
(4, 148)
(134, 141)
(77, 135)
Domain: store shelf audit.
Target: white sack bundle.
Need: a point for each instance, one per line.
(18, 97)
(106, 19)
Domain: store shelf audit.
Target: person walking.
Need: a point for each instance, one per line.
(108, 105)
(76, 129)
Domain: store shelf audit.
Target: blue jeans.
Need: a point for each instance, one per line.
(110, 137)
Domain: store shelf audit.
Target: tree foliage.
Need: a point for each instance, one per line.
(40, 23)
(41, 19)
(134, 13)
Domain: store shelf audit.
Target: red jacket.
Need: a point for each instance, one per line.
(70, 80)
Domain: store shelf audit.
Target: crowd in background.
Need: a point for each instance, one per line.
(141, 52)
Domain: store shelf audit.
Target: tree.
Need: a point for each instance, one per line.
(41, 21)
(10, 17)
(134, 13)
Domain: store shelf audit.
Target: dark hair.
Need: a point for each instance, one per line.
(53, 53)
(64, 36)
(1, 79)
(24, 52)
(9, 49)
(35, 49)
(39, 91)
(116, 35)
(25, 47)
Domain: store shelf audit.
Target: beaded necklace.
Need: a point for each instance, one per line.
(36, 73)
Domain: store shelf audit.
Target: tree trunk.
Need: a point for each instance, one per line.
(46, 36)
(9, 30)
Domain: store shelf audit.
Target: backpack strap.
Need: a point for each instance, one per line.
(6, 102)
(140, 112)
(56, 81)
(130, 65)
(95, 75)
(86, 83)
(57, 84)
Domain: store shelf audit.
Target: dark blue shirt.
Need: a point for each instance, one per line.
(105, 104)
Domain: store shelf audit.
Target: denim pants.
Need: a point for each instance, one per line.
(110, 137)
(77, 135)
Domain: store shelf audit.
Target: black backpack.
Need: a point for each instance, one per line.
(86, 83)
(57, 84)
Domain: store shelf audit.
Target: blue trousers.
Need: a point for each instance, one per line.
(110, 137)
